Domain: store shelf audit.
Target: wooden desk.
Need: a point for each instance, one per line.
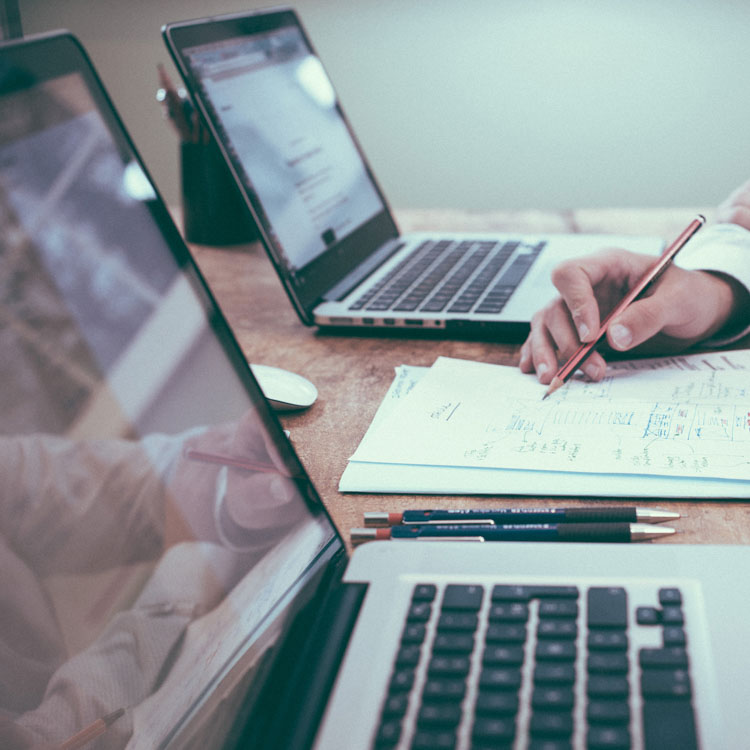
(353, 373)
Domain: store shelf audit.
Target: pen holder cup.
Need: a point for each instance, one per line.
(213, 210)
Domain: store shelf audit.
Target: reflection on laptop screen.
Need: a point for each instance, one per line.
(142, 565)
(278, 110)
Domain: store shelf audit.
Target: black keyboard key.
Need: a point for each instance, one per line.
(408, 656)
(509, 612)
(669, 723)
(607, 607)
(500, 678)
(669, 596)
(552, 698)
(495, 655)
(513, 276)
(434, 740)
(396, 705)
(388, 734)
(439, 714)
(550, 673)
(673, 657)
(674, 635)
(461, 306)
(419, 612)
(414, 632)
(467, 598)
(553, 592)
(610, 738)
(424, 592)
(556, 651)
(493, 729)
(607, 686)
(497, 703)
(648, 616)
(551, 723)
(612, 711)
(672, 615)
(564, 608)
(605, 640)
(607, 662)
(549, 743)
(665, 683)
(402, 680)
(453, 643)
(458, 621)
(503, 593)
(449, 666)
(441, 689)
(557, 629)
(505, 633)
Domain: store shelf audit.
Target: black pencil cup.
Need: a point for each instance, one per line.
(214, 212)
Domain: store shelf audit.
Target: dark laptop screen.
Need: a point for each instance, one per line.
(154, 521)
(278, 111)
(275, 114)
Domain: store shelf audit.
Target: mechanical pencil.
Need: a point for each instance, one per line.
(520, 515)
(542, 532)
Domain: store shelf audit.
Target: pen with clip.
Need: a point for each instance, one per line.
(520, 515)
(650, 277)
(541, 532)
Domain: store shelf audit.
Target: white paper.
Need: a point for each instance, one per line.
(651, 427)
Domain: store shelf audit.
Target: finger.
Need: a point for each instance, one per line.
(564, 334)
(525, 363)
(734, 215)
(553, 340)
(594, 367)
(583, 280)
(541, 347)
(575, 282)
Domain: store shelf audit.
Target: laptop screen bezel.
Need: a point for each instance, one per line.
(54, 54)
(307, 286)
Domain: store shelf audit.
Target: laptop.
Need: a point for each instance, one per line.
(325, 223)
(171, 578)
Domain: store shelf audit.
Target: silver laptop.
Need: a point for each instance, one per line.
(323, 219)
(171, 578)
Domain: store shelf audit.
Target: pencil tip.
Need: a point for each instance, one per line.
(113, 717)
(553, 386)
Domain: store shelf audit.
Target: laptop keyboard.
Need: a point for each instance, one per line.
(460, 277)
(538, 667)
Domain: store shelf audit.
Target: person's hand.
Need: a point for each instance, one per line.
(261, 497)
(736, 208)
(682, 308)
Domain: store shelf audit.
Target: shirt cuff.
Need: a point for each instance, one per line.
(724, 249)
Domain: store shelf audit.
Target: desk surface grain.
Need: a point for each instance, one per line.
(353, 373)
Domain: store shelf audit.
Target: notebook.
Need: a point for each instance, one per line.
(171, 578)
(323, 219)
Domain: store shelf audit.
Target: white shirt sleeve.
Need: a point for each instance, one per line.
(725, 249)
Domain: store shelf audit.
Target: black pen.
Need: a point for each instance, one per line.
(540, 532)
(520, 515)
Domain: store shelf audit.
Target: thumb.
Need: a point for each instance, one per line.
(642, 320)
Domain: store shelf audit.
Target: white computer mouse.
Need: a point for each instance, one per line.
(285, 390)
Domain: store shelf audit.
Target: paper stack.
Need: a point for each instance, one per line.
(668, 427)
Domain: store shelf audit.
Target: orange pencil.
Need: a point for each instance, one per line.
(656, 270)
(92, 731)
(237, 463)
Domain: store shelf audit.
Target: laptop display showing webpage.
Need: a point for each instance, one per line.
(170, 577)
(324, 221)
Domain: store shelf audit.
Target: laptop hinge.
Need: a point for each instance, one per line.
(320, 663)
(355, 277)
(308, 663)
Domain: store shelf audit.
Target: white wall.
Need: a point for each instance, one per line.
(487, 103)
